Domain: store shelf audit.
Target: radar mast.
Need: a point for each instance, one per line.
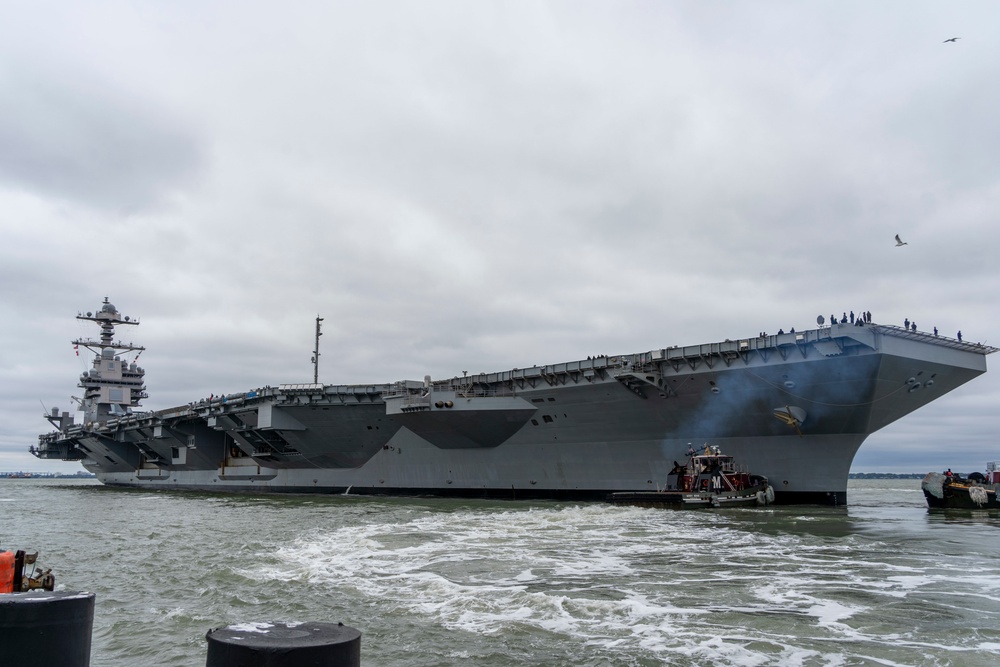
(114, 385)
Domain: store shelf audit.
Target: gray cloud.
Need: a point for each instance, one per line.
(70, 136)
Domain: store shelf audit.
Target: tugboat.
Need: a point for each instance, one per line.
(977, 491)
(709, 479)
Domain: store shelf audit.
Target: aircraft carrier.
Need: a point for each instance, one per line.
(794, 407)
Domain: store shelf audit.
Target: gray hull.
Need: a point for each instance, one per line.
(794, 408)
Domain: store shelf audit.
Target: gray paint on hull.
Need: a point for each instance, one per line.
(593, 432)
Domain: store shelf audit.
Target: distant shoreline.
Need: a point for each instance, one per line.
(45, 475)
(87, 475)
(886, 475)
(50, 475)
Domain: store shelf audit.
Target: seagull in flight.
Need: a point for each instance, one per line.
(900, 241)
(953, 39)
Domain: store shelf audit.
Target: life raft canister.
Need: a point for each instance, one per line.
(6, 571)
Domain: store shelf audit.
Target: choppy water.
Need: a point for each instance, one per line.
(492, 584)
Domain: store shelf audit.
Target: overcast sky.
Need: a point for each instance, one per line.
(487, 185)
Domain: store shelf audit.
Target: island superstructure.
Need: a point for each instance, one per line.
(795, 406)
